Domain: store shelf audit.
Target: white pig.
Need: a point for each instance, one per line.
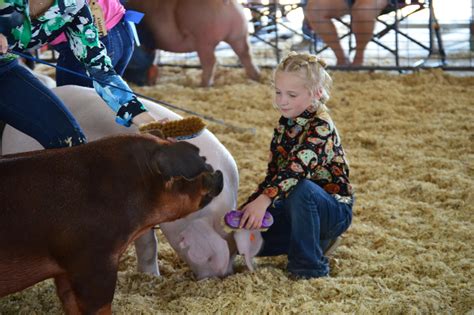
(199, 238)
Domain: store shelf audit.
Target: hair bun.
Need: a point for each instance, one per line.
(314, 59)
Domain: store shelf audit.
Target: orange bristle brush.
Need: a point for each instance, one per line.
(181, 129)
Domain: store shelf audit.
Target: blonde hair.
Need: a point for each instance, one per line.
(312, 70)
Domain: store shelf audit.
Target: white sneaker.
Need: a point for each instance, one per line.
(332, 246)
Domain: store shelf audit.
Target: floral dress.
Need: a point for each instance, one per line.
(307, 147)
(74, 18)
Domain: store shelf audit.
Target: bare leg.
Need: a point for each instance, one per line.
(319, 14)
(146, 247)
(153, 73)
(364, 13)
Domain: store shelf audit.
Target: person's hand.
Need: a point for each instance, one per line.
(254, 212)
(144, 118)
(3, 44)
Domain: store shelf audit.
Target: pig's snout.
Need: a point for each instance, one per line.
(215, 182)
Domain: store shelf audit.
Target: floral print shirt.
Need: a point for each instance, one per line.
(306, 147)
(74, 18)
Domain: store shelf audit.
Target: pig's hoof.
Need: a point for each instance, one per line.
(155, 273)
(152, 270)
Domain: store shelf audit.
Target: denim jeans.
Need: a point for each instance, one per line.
(29, 106)
(141, 61)
(304, 224)
(119, 43)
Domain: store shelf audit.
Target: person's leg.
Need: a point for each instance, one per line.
(27, 105)
(119, 43)
(364, 13)
(315, 215)
(139, 65)
(276, 240)
(319, 14)
(140, 69)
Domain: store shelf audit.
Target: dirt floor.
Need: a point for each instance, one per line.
(410, 141)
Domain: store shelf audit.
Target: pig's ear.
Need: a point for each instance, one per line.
(248, 244)
(179, 159)
(205, 246)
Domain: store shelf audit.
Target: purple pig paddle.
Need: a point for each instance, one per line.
(233, 217)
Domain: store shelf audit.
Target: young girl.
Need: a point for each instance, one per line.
(307, 188)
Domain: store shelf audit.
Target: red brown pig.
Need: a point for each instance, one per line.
(190, 25)
(198, 238)
(69, 214)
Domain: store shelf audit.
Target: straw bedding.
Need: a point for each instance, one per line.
(409, 139)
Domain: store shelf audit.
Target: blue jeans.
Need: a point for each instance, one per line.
(29, 106)
(304, 224)
(119, 43)
(137, 69)
(142, 57)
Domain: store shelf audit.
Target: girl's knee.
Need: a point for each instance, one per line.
(306, 188)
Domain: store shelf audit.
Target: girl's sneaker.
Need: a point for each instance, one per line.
(333, 244)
